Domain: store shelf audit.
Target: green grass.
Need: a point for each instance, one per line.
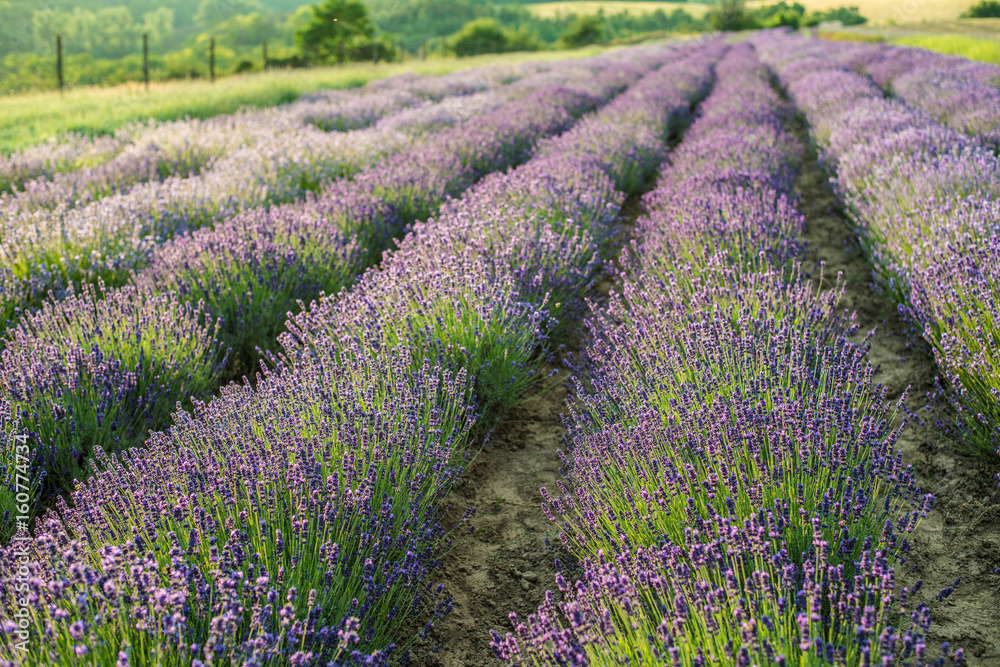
(34, 117)
(942, 39)
(974, 48)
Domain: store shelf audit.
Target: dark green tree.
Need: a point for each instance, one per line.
(333, 23)
(780, 14)
(731, 15)
(480, 36)
(846, 16)
(583, 31)
(987, 9)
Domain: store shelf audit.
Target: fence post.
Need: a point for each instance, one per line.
(145, 59)
(264, 49)
(374, 50)
(211, 59)
(59, 63)
(343, 50)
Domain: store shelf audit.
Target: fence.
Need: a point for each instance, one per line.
(266, 62)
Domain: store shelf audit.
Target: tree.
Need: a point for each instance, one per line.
(334, 22)
(583, 31)
(731, 15)
(846, 16)
(479, 36)
(986, 9)
(780, 14)
(244, 30)
(213, 12)
(158, 24)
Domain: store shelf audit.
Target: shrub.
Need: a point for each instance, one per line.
(583, 31)
(483, 35)
(101, 368)
(985, 9)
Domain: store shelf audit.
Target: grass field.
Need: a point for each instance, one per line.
(549, 9)
(975, 48)
(882, 11)
(983, 27)
(35, 117)
(976, 39)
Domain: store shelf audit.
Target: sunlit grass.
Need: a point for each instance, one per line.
(974, 48)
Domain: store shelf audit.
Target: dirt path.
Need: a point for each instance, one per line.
(961, 537)
(508, 563)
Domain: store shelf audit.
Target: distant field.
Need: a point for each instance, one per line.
(976, 39)
(34, 117)
(957, 26)
(877, 11)
(900, 11)
(974, 48)
(547, 9)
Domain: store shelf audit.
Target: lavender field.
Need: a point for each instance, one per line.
(682, 354)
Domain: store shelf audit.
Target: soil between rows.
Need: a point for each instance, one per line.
(507, 564)
(961, 537)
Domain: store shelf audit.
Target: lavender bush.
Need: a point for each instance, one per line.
(294, 523)
(923, 196)
(99, 370)
(484, 306)
(957, 92)
(255, 268)
(732, 484)
(194, 143)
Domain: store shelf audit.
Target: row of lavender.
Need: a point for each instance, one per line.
(100, 368)
(297, 522)
(955, 91)
(925, 199)
(277, 160)
(103, 162)
(732, 490)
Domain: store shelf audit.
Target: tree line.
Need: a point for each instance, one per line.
(101, 43)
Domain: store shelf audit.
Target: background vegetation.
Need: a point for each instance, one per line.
(102, 45)
(102, 38)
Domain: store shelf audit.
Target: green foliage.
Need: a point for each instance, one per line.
(486, 36)
(107, 33)
(245, 30)
(780, 14)
(584, 30)
(986, 9)
(334, 23)
(730, 16)
(733, 15)
(213, 12)
(846, 15)
(102, 42)
(983, 49)
(418, 20)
